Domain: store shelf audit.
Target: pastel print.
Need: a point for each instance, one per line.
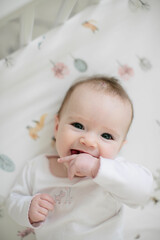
(90, 25)
(125, 71)
(80, 65)
(59, 69)
(6, 163)
(33, 131)
(144, 63)
(25, 232)
(138, 4)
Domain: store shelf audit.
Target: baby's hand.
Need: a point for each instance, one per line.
(41, 204)
(82, 165)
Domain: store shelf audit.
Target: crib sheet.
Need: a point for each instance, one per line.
(117, 38)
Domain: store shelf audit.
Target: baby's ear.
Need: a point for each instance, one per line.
(56, 125)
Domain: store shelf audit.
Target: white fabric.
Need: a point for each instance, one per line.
(125, 44)
(87, 209)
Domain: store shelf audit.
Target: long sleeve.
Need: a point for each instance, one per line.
(128, 182)
(19, 200)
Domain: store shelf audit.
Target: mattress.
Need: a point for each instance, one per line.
(115, 38)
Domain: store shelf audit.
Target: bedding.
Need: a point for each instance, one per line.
(116, 38)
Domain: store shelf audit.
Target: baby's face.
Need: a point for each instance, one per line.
(92, 122)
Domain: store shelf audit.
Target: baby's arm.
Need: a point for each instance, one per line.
(127, 182)
(22, 206)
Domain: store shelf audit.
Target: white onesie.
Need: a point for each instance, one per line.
(86, 208)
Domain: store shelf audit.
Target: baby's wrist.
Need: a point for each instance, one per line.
(97, 166)
(35, 223)
(30, 220)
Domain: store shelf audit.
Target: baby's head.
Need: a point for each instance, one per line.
(94, 117)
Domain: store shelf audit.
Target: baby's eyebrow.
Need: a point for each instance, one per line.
(75, 118)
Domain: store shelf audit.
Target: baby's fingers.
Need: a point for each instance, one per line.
(47, 198)
(43, 211)
(46, 205)
(66, 159)
(72, 170)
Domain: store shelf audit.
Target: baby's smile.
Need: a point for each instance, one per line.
(76, 151)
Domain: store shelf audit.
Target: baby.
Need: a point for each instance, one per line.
(79, 194)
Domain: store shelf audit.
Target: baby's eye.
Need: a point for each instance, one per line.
(78, 125)
(107, 136)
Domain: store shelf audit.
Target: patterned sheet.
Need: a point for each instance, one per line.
(118, 38)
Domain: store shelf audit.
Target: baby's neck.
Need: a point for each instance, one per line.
(57, 169)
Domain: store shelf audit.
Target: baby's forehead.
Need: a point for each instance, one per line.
(92, 93)
(94, 89)
(90, 87)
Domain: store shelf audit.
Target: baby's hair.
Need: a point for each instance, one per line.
(109, 85)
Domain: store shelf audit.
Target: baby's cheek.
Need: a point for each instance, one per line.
(108, 153)
(59, 148)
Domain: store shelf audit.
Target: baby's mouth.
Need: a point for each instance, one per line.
(74, 151)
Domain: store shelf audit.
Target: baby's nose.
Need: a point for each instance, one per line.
(88, 140)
